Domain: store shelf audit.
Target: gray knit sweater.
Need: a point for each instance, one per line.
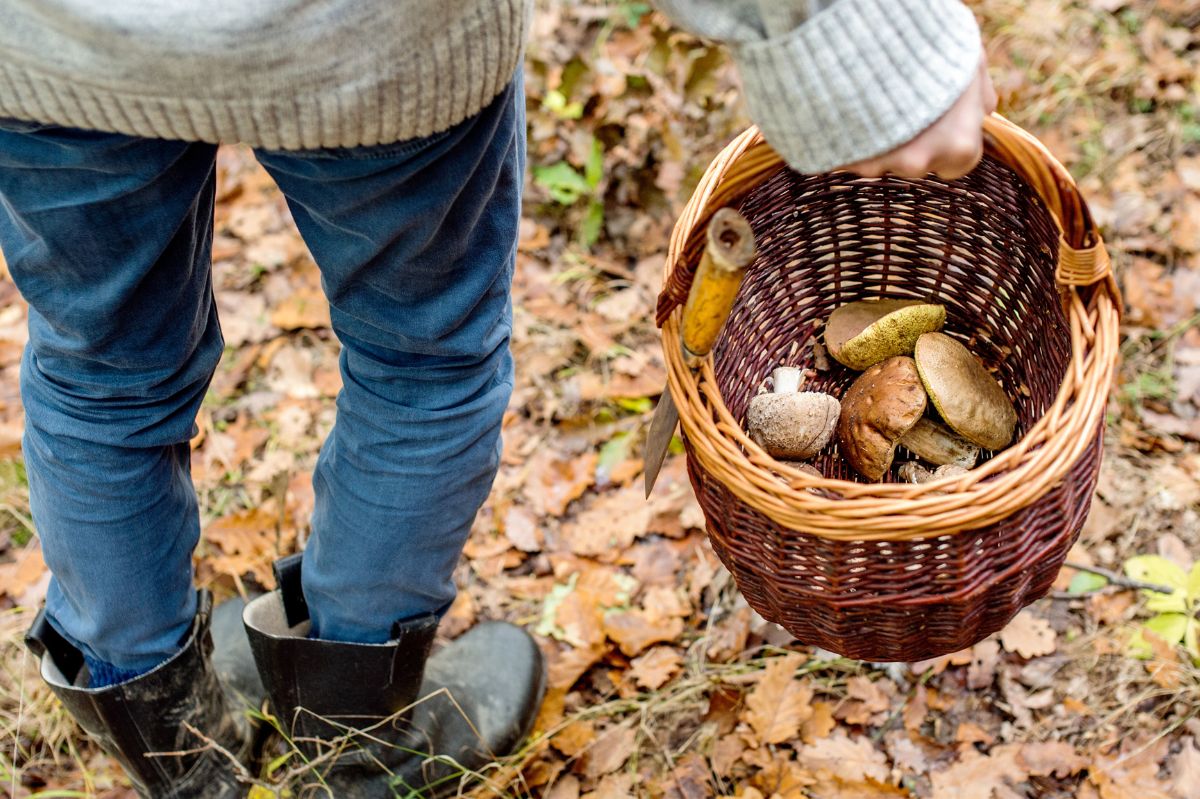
(829, 81)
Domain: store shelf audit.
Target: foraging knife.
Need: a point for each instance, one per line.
(728, 252)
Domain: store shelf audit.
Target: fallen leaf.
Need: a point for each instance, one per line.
(553, 484)
(610, 751)
(867, 702)
(906, 754)
(689, 779)
(574, 738)
(851, 760)
(1185, 770)
(18, 576)
(306, 308)
(726, 752)
(608, 526)
(1131, 772)
(566, 787)
(779, 703)
(653, 669)
(819, 724)
(977, 776)
(982, 671)
(1028, 636)
(635, 630)
(970, 732)
(521, 529)
(1046, 758)
(613, 786)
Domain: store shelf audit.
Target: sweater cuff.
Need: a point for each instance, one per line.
(859, 79)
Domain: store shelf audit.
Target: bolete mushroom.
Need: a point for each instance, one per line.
(879, 407)
(861, 334)
(968, 399)
(913, 472)
(932, 441)
(791, 424)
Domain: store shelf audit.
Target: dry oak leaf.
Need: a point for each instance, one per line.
(521, 529)
(1028, 636)
(868, 702)
(1185, 770)
(690, 779)
(977, 776)
(851, 760)
(17, 577)
(554, 484)
(653, 669)
(565, 788)
(613, 786)
(609, 525)
(634, 630)
(1132, 774)
(1047, 758)
(779, 703)
(907, 755)
(819, 724)
(574, 738)
(982, 671)
(581, 618)
(782, 778)
(568, 664)
(726, 752)
(610, 751)
(306, 308)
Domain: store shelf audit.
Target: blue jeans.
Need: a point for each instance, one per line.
(109, 239)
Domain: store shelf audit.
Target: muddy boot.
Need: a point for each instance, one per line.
(383, 720)
(134, 720)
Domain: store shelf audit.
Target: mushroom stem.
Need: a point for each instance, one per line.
(785, 380)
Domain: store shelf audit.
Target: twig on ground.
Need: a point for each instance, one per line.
(1119, 579)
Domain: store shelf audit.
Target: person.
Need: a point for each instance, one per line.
(396, 133)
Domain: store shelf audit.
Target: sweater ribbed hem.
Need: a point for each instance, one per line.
(859, 79)
(453, 77)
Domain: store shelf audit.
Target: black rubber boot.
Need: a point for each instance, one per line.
(136, 719)
(384, 720)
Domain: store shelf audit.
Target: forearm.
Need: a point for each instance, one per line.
(833, 82)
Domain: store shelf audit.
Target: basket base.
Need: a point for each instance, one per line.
(995, 573)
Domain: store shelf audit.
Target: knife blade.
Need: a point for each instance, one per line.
(728, 252)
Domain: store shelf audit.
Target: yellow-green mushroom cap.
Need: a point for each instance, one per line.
(861, 334)
(968, 399)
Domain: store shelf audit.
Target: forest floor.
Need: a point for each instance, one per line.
(663, 682)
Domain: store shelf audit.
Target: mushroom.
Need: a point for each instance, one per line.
(790, 424)
(968, 399)
(861, 334)
(879, 407)
(932, 441)
(913, 472)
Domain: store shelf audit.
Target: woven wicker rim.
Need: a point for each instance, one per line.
(1012, 480)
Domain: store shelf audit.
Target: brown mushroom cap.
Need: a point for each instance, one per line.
(932, 441)
(879, 407)
(792, 426)
(968, 399)
(860, 334)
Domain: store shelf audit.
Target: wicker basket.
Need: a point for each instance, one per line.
(890, 571)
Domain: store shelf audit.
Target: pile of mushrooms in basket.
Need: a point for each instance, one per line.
(919, 389)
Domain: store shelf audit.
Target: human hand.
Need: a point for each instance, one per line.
(950, 147)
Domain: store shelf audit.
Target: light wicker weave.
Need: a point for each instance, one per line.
(891, 571)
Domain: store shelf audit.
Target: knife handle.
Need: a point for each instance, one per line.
(729, 250)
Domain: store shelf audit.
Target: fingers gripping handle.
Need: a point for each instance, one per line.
(728, 251)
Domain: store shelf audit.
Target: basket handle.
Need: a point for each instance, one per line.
(748, 161)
